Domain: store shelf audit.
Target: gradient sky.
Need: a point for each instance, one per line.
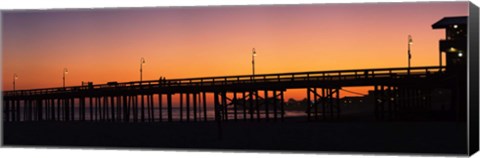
(103, 45)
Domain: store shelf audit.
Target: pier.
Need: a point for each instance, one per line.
(235, 98)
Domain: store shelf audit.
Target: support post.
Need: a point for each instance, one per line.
(251, 105)
(338, 102)
(90, 106)
(152, 109)
(275, 106)
(235, 102)
(142, 112)
(169, 106)
(265, 102)
(308, 105)
(330, 102)
(67, 109)
(112, 108)
(257, 104)
(160, 107)
(204, 106)
(149, 112)
(125, 108)
(218, 117)
(135, 108)
(6, 110)
(188, 106)
(194, 107)
(282, 105)
(376, 102)
(224, 104)
(324, 104)
(315, 98)
(41, 109)
(244, 104)
(181, 107)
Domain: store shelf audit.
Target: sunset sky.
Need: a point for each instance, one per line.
(102, 45)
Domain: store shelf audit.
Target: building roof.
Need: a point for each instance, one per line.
(447, 21)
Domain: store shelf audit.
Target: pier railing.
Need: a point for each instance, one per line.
(336, 75)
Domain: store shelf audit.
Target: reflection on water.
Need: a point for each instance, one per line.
(241, 114)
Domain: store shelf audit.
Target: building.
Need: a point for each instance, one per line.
(454, 46)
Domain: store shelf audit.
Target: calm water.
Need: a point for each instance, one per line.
(176, 113)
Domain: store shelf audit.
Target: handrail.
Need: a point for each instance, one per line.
(258, 78)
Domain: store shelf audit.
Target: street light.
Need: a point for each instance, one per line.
(410, 42)
(15, 77)
(253, 60)
(142, 61)
(65, 72)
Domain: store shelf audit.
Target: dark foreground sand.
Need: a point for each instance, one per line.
(391, 137)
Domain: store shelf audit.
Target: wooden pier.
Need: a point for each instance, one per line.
(235, 98)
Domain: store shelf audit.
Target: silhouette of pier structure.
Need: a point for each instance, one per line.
(134, 101)
(397, 92)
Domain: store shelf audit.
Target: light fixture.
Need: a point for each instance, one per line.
(142, 61)
(65, 72)
(254, 53)
(452, 49)
(455, 26)
(15, 77)
(410, 40)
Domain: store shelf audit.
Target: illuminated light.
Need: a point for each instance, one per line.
(65, 72)
(452, 49)
(455, 26)
(392, 99)
(460, 54)
(410, 41)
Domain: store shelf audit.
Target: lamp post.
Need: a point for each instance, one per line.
(253, 61)
(15, 77)
(142, 61)
(65, 72)
(410, 42)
